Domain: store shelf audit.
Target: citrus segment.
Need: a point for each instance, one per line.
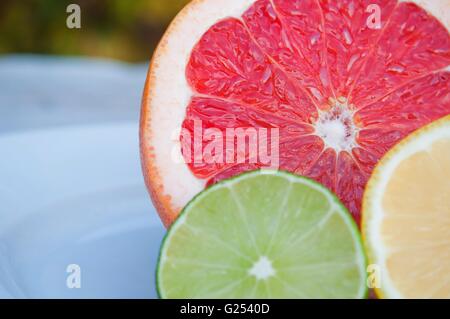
(228, 64)
(293, 42)
(263, 234)
(407, 215)
(405, 110)
(349, 39)
(412, 45)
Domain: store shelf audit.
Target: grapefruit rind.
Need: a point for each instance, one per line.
(166, 96)
(372, 213)
(439, 9)
(363, 292)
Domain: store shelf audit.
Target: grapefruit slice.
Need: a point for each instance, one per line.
(406, 216)
(341, 89)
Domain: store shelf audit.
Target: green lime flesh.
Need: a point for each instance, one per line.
(263, 234)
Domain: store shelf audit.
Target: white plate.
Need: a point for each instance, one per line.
(76, 195)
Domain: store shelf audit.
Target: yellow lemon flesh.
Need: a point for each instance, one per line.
(406, 216)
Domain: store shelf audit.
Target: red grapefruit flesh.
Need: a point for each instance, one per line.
(340, 92)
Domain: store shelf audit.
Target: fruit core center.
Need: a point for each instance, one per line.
(336, 126)
(262, 269)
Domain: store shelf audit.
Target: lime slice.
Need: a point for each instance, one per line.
(263, 234)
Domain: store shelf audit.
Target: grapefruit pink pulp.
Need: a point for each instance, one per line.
(340, 89)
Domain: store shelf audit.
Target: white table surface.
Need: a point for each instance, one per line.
(71, 188)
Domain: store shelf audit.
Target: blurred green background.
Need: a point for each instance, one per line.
(126, 30)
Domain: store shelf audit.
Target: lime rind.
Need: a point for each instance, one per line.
(337, 207)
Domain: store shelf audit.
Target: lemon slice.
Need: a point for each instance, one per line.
(406, 216)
